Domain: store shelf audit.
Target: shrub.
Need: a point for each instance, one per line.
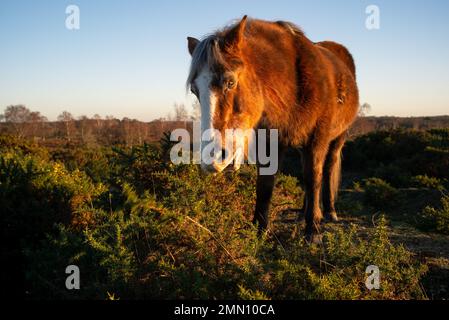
(397, 155)
(36, 193)
(184, 249)
(147, 229)
(436, 219)
(400, 273)
(424, 181)
(380, 194)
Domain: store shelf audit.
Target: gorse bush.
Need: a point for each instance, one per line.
(436, 219)
(145, 250)
(337, 269)
(424, 181)
(36, 193)
(398, 155)
(380, 194)
(399, 272)
(146, 229)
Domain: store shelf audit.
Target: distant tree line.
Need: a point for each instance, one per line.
(365, 125)
(18, 120)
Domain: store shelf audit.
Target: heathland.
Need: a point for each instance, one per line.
(101, 195)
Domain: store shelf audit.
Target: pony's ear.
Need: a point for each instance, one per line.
(192, 43)
(234, 37)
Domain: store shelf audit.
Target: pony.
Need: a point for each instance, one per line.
(258, 74)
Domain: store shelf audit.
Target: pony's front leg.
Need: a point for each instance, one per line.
(313, 161)
(264, 191)
(265, 185)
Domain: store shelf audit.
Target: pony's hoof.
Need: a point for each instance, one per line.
(331, 217)
(314, 239)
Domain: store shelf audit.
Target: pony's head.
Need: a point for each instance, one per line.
(230, 98)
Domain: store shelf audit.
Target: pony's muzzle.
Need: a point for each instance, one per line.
(221, 162)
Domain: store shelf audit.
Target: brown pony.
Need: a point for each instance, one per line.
(259, 74)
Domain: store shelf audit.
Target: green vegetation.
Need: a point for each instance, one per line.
(436, 219)
(399, 156)
(380, 194)
(139, 227)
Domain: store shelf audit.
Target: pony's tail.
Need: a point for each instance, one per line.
(335, 178)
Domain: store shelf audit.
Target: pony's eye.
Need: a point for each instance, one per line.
(230, 84)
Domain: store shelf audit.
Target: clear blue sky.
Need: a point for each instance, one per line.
(129, 58)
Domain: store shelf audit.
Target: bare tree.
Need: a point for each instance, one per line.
(36, 116)
(84, 122)
(364, 109)
(126, 124)
(17, 115)
(181, 113)
(36, 123)
(22, 120)
(67, 118)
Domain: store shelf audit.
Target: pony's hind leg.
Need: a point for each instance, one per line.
(313, 163)
(331, 177)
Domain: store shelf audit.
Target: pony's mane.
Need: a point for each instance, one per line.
(291, 27)
(207, 51)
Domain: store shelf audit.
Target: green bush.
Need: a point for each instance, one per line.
(380, 194)
(424, 181)
(36, 193)
(196, 242)
(145, 228)
(436, 219)
(397, 155)
(147, 251)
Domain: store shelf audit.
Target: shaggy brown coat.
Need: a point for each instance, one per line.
(270, 75)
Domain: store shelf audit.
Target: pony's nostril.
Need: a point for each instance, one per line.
(221, 155)
(224, 154)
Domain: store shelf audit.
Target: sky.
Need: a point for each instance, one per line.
(130, 59)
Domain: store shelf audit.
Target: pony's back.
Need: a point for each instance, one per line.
(341, 52)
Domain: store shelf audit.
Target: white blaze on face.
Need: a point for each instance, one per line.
(207, 98)
(208, 102)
